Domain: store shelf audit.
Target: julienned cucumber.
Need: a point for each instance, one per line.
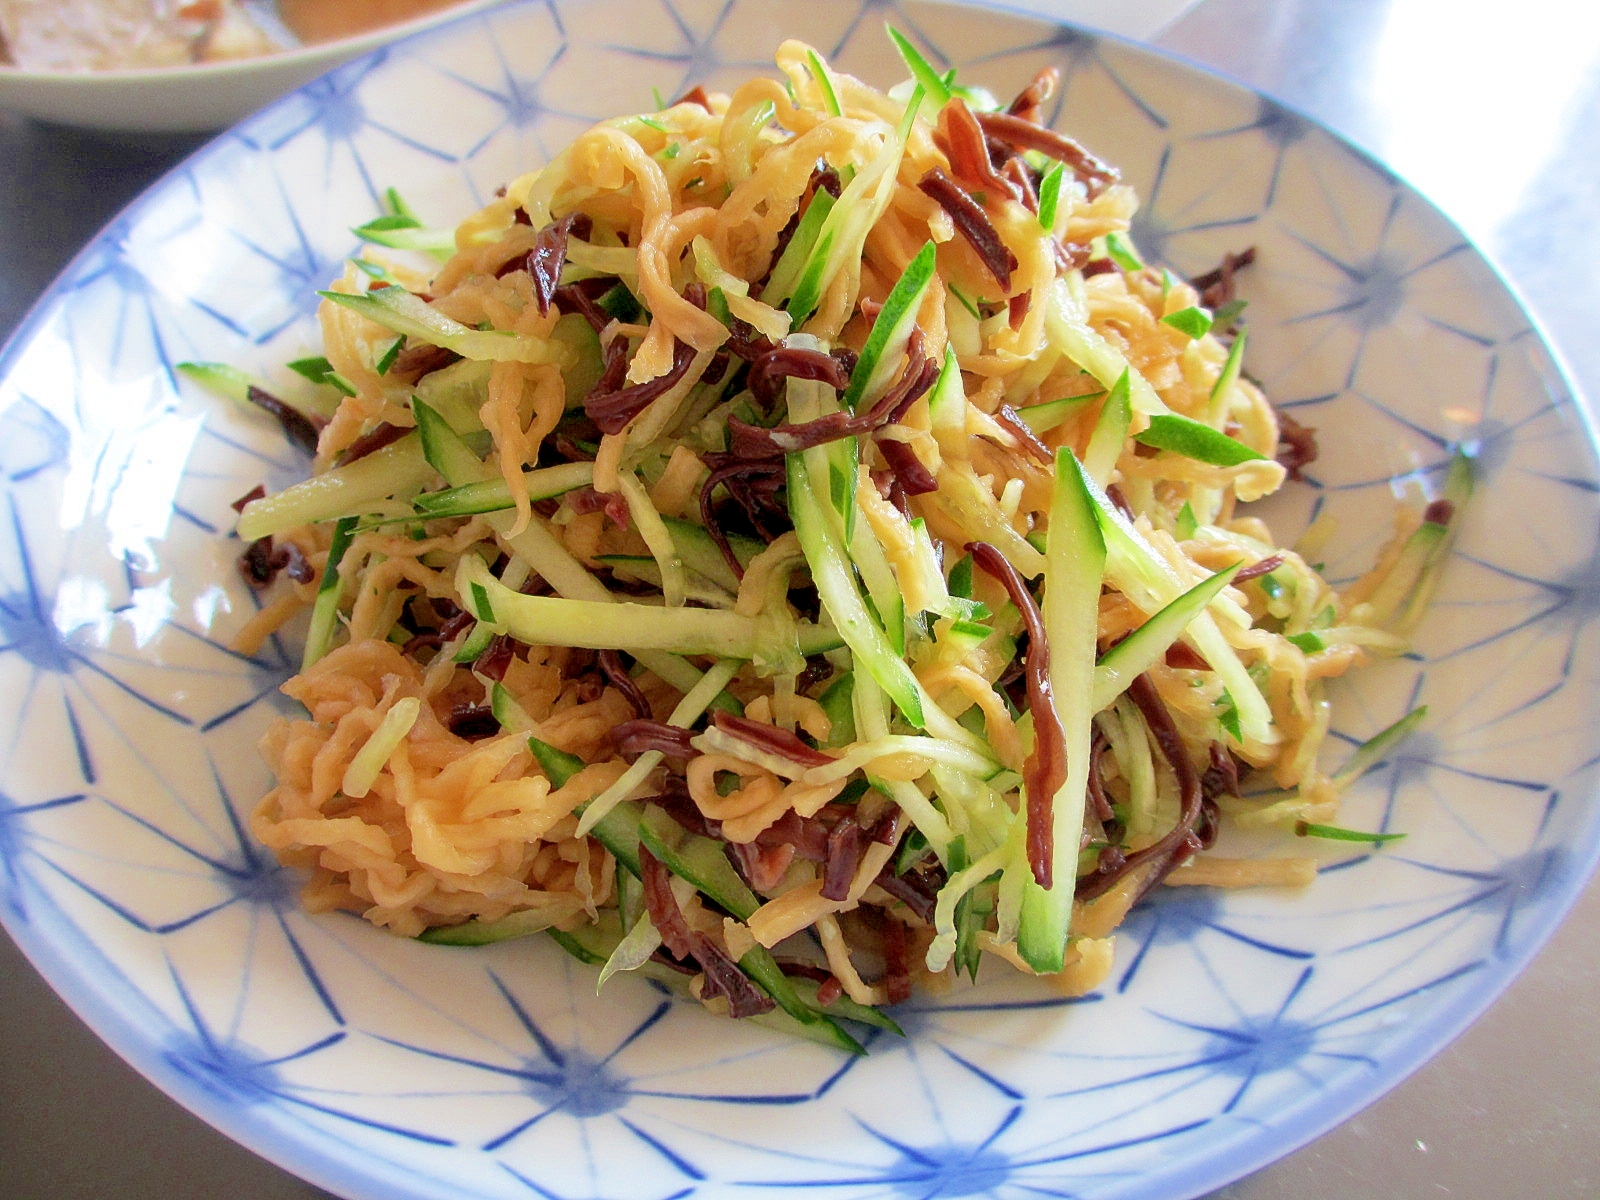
(492, 495)
(1142, 648)
(483, 933)
(831, 573)
(1135, 569)
(700, 553)
(1192, 439)
(844, 231)
(397, 470)
(1110, 433)
(540, 548)
(442, 446)
(397, 309)
(1041, 418)
(592, 625)
(1075, 559)
(891, 330)
(594, 943)
(786, 274)
(699, 860)
(325, 609)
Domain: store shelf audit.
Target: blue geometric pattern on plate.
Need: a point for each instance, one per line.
(1234, 1027)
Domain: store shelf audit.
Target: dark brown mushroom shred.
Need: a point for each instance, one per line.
(249, 497)
(645, 733)
(749, 441)
(612, 410)
(908, 470)
(722, 975)
(1045, 770)
(1297, 445)
(967, 149)
(616, 673)
(768, 372)
(419, 359)
(548, 256)
(263, 559)
(1030, 100)
(1010, 420)
(1182, 840)
(496, 658)
(1015, 131)
(972, 223)
(1216, 286)
(770, 740)
(375, 439)
(297, 427)
(1260, 567)
(474, 722)
(754, 485)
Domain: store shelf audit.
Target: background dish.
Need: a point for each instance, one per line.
(1226, 1056)
(204, 96)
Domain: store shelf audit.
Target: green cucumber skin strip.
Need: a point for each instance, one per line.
(576, 948)
(619, 832)
(492, 495)
(410, 315)
(1074, 570)
(545, 553)
(589, 625)
(1371, 751)
(844, 233)
(891, 329)
(1217, 406)
(220, 379)
(1042, 418)
(845, 1007)
(699, 860)
(477, 642)
(399, 469)
(786, 274)
(482, 933)
(1110, 433)
(1144, 647)
(761, 967)
(325, 608)
(1192, 439)
(932, 82)
(837, 704)
(442, 446)
(593, 948)
(512, 717)
(1135, 569)
(558, 766)
(830, 572)
(398, 236)
(700, 553)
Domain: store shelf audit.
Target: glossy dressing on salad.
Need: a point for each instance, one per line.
(792, 545)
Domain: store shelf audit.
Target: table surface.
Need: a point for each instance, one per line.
(1498, 121)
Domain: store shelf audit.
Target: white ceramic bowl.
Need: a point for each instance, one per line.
(188, 99)
(1235, 1026)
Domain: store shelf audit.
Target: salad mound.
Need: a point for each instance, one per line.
(791, 544)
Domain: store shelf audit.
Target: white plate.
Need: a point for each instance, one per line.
(1234, 1028)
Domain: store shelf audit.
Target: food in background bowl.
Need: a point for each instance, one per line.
(103, 35)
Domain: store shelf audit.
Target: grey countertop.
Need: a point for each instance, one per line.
(1492, 112)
